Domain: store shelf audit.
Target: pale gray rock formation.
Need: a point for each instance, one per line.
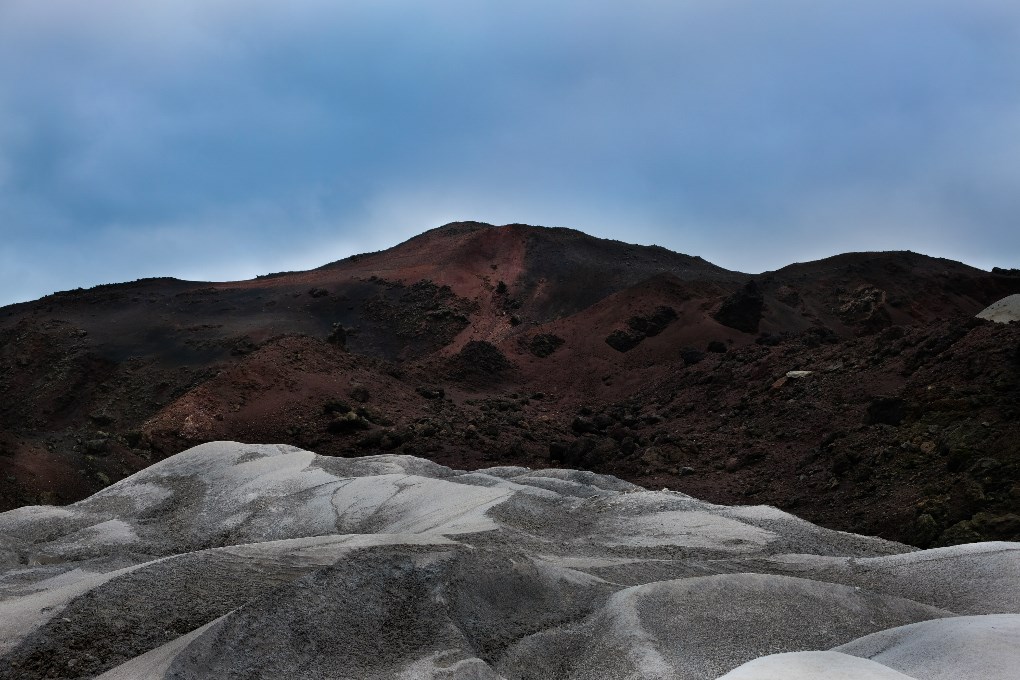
(1005, 310)
(939, 649)
(260, 561)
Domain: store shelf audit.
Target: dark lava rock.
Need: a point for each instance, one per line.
(769, 340)
(717, 346)
(984, 465)
(96, 447)
(336, 406)
(623, 341)
(359, 393)
(691, 356)
(424, 314)
(318, 292)
(743, 309)
(925, 530)
(819, 335)
(579, 451)
(338, 336)
(959, 459)
(102, 419)
(641, 327)
(386, 440)
(480, 361)
(651, 325)
(886, 411)
(348, 422)
(865, 307)
(936, 346)
(544, 344)
(430, 393)
(243, 346)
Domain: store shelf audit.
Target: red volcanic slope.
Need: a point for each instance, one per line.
(472, 343)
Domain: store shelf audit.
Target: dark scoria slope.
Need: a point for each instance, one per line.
(553, 272)
(859, 293)
(471, 344)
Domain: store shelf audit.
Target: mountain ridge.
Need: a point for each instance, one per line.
(641, 357)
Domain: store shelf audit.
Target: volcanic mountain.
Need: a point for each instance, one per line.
(475, 345)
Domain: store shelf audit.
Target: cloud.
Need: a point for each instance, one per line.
(750, 133)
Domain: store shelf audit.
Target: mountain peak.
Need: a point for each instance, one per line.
(369, 354)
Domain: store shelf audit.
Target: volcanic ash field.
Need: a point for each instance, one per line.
(263, 561)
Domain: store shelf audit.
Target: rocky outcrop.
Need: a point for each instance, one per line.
(865, 308)
(480, 363)
(743, 309)
(544, 344)
(641, 327)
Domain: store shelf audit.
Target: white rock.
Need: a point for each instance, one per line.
(947, 649)
(813, 666)
(1005, 310)
(235, 560)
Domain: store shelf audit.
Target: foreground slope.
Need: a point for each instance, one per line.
(237, 561)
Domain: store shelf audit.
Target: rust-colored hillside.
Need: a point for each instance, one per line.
(473, 344)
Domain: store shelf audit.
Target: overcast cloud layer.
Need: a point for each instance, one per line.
(219, 139)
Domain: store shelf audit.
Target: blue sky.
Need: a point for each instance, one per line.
(219, 139)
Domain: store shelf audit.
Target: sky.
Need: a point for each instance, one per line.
(220, 139)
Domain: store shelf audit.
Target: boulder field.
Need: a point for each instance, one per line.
(234, 560)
